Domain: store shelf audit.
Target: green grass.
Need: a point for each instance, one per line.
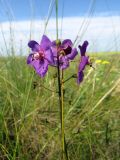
(29, 113)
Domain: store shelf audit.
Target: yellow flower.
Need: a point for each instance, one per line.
(98, 61)
(105, 62)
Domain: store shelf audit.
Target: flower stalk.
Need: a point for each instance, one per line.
(61, 104)
(61, 90)
(62, 114)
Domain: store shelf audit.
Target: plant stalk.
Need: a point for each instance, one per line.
(62, 115)
(60, 90)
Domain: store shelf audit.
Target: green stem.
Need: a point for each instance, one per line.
(62, 115)
(56, 19)
(60, 90)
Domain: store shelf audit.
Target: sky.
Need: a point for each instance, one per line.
(24, 9)
(95, 20)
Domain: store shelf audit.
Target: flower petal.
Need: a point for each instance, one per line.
(72, 55)
(64, 63)
(54, 51)
(34, 45)
(41, 67)
(67, 50)
(29, 58)
(53, 43)
(80, 77)
(45, 42)
(83, 48)
(49, 56)
(67, 42)
(83, 63)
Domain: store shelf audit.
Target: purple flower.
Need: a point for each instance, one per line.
(83, 62)
(64, 51)
(41, 55)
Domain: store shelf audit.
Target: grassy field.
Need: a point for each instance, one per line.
(29, 112)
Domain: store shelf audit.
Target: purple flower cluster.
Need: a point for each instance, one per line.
(56, 53)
